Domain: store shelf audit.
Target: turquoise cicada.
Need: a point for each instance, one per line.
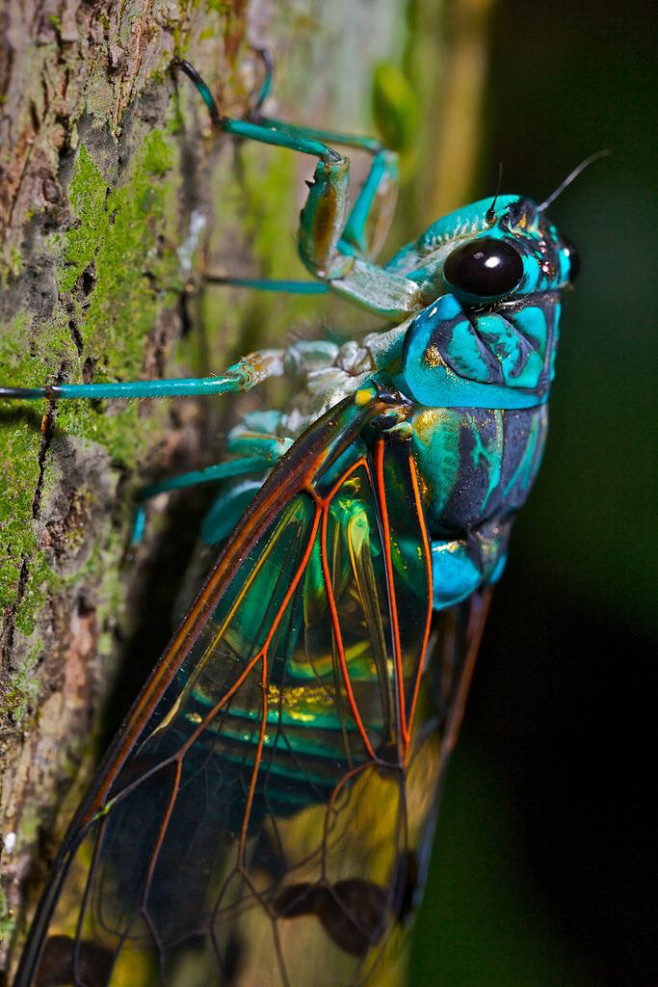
(265, 815)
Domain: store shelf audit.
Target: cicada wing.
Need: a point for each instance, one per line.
(261, 817)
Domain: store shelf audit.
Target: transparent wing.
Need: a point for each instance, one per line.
(263, 817)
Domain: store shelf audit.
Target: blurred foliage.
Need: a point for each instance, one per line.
(395, 110)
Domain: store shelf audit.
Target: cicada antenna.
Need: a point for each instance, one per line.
(202, 88)
(490, 215)
(578, 170)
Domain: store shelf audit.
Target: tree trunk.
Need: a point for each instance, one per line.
(113, 197)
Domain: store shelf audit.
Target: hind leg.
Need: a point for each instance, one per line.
(259, 450)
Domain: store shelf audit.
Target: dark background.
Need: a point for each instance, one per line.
(546, 868)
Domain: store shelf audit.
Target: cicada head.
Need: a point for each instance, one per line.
(494, 249)
(492, 273)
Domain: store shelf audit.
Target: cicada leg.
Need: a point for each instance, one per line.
(372, 213)
(195, 478)
(334, 246)
(370, 217)
(286, 287)
(248, 372)
(297, 360)
(260, 450)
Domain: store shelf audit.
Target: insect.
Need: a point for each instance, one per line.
(265, 814)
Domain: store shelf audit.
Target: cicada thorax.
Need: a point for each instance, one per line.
(477, 363)
(477, 464)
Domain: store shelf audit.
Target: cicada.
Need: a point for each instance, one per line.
(265, 815)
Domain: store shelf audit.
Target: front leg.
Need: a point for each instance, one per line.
(333, 246)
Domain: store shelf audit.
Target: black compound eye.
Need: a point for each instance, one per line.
(572, 254)
(485, 267)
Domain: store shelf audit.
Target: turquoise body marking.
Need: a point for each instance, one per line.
(436, 444)
(529, 463)
(530, 321)
(448, 363)
(465, 353)
(455, 576)
(489, 455)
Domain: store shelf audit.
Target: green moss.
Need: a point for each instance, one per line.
(158, 156)
(7, 919)
(117, 240)
(15, 265)
(40, 585)
(116, 271)
(19, 464)
(22, 691)
(29, 827)
(220, 6)
(87, 195)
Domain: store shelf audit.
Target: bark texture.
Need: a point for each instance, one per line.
(113, 197)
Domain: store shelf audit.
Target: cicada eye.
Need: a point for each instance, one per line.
(486, 267)
(572, 254)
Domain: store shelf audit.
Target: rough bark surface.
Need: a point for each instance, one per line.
(113, 196)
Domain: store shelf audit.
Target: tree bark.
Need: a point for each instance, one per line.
(113, 197)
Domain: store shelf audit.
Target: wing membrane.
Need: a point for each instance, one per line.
(262, 817)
